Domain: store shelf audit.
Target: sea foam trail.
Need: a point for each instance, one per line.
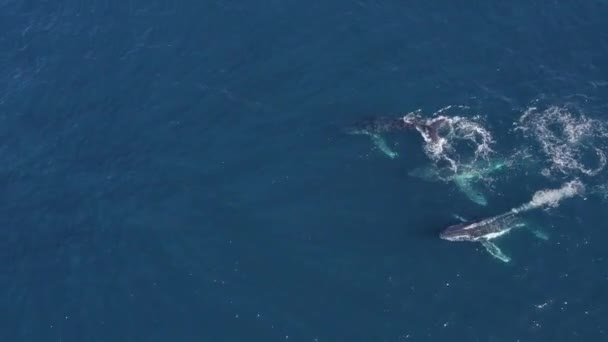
(552, 197)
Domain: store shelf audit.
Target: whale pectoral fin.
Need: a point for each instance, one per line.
(495, 251)
(465, 186)
(428, 174)
(378, 141)
(381, 144)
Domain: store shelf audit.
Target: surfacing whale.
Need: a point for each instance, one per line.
(466, 178)
(486, 230)
(374, 127)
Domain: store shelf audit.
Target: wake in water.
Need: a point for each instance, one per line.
(569, 140)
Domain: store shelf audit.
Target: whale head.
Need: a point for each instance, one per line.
(457, 232)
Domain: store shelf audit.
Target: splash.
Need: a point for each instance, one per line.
(571, 141)
(552, 197)
(456, 140)
(460, 148)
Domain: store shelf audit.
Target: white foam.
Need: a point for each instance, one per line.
(552, 197)
(459, 141)
(567, 138)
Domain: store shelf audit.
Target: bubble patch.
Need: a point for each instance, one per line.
(571, 142)
(458, 141)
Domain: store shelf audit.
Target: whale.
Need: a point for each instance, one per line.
(484, 231)
(380, 124)
(467, 177)
(374, 127)
(487, 229)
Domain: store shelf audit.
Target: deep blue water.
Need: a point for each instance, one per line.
(180, 172)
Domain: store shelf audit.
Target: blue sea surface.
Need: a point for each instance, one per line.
(181, 172)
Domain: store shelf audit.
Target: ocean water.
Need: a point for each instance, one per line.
(183, 172)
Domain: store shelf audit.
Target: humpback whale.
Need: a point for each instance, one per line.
(374, 127)
(484, 231)
(488, 229)
(381, 124)
(466, 178)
